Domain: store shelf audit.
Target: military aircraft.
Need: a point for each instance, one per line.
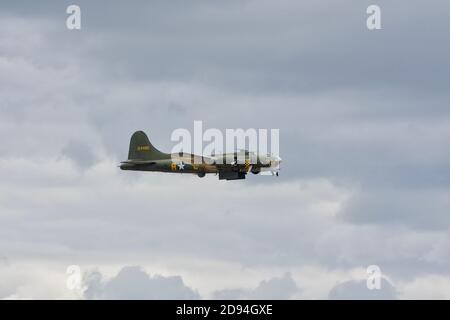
(143, 156)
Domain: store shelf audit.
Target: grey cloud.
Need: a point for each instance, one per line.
(103, 101)
(79, 152)
(357, 290)
(4, 261)
(256, 46)
(366, 112)
(424, 208)
(134, 283)
(284, 224)
(275, 288)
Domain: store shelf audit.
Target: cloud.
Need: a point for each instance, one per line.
(364, 127)
(357, 290)
(272, 289)
(283, 225)
(80, 153)
(34, 280)
(429, 286)
(135, 283)
(421, 209)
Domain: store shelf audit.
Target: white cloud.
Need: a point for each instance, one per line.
(431, 286)
(35, 280)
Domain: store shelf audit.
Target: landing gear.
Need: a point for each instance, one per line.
(201, 174)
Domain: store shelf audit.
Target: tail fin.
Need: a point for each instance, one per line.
(142, 149)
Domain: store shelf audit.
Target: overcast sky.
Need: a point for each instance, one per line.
(364, 123)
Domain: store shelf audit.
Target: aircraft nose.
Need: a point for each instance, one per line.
(275, 161)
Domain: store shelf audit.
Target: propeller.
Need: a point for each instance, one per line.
(274, 168)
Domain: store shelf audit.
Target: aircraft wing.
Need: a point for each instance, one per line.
(138, 162)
